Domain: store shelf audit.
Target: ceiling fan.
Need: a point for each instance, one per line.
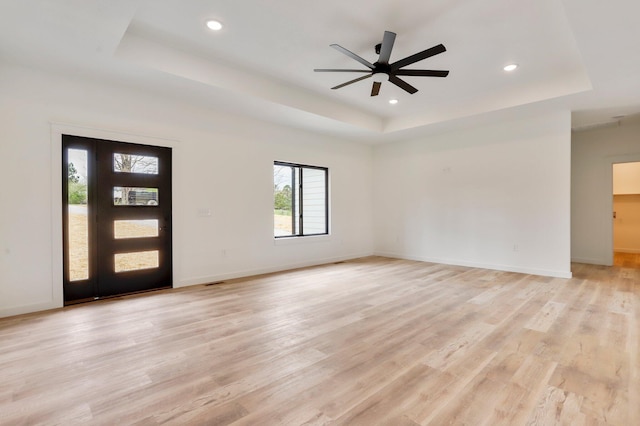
(382, 70)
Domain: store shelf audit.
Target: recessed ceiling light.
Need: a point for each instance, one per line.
(393, 101)
(214, 25)
(510, 67)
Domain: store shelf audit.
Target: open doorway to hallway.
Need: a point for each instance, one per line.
(626, 214)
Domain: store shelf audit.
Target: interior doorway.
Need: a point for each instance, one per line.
(116, 218)
(626, 214)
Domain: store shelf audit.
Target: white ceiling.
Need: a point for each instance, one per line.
(578, 55)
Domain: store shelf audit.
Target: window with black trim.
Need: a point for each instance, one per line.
(300, 200)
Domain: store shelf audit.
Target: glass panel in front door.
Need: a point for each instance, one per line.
(129, 196)
(135, 228)
(131, 163)
(125, 262)
(78, 225)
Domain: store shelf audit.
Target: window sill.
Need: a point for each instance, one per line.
(285, 241)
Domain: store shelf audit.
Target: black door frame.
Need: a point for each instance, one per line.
(101, 211)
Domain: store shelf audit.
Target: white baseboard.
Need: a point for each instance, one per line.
(284, 267)
(243, 273)
(591, 261)
(45, 306)
(28, 309)
(456, 262)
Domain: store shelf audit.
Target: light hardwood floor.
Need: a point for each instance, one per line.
(372, 341)
(627, 260)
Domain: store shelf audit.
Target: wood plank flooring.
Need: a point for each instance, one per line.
(372, 341)
(627, 260)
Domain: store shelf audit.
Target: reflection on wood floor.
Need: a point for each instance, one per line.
(626, 260)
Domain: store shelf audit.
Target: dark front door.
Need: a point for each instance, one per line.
(117, 218)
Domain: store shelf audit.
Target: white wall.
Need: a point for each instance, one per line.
(593, 154)
(495, 197)
(626, 178)
(221, 162)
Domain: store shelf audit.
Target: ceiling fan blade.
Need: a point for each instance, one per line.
(352, 81)
(375, 89)
(402, 84)
(422, 73)
(339, 70)
(387, 45)
(435, 50)
(353, 55)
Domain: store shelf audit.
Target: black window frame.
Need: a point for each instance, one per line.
(299, 208)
